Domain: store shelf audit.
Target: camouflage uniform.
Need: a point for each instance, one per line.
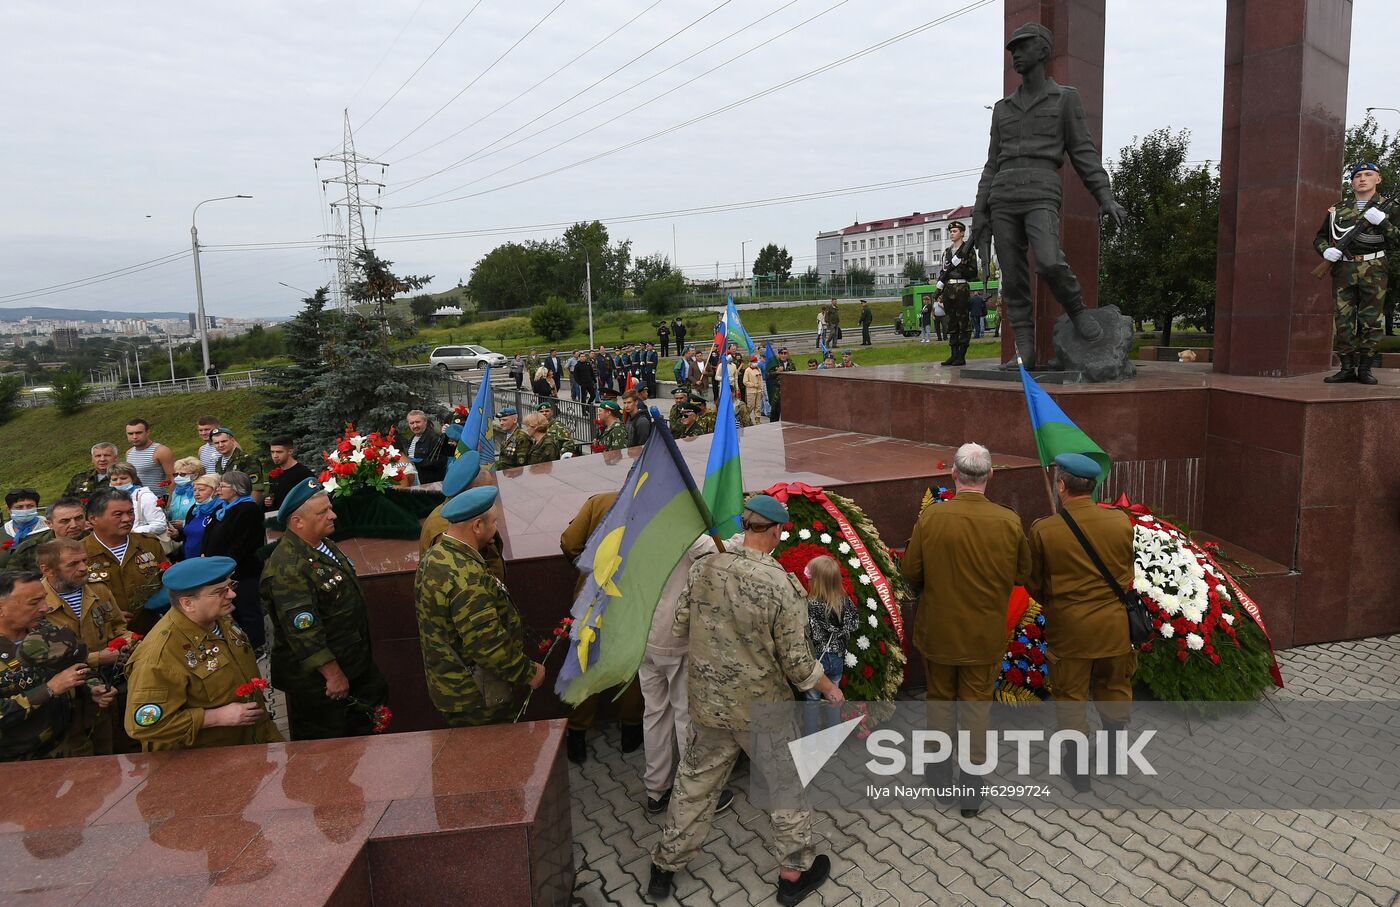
(513, 450)
(695, 430)
(84, 484)
(25, 555)
(1358, 287)
(615, 437)
(435, 525)
(747, 622)
(246, 463)
(775, 386)
(179, 671)
(546, 450)
(319, 615)
(957, 301)
(706, 422)
(673, 420)
(471, 634)
(102, 621)
(34, 724)
(565, 438)
(133, 581)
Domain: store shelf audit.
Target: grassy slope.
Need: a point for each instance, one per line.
(42, 450)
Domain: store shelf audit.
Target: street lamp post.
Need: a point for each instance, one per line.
(126, 361)
(298, 289)
(199, 283)
(170, 351)
(743, 259)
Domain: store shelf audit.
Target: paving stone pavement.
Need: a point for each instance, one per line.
(1308, 858)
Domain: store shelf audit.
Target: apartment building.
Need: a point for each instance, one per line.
(884, 246)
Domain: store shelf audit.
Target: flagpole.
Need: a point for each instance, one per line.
(1045, 471)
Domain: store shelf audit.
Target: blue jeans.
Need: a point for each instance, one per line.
(820, 715)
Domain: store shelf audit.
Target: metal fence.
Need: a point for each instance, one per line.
(101, 393)
(453, 388)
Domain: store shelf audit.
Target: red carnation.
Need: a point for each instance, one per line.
(325, 475)
(1015, 677)
(1036, 656)
(881, 646)
(115, 644)
(1034, 679)
(945, 495)
(787, 525)
(867, 672)
(817, 525)
(9, 543)
(345, 447)
(137, 637)
(558, 631)
(251, 687)
(164, 565)
(1214, 659)
(1182, 655)
(1017, 648)
(382, 717)
(274, 472)
(941, 464)
(1145, 647)
(1032, 632)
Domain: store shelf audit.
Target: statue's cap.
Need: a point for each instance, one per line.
(1031, 30)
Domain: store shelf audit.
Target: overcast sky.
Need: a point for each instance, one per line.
(121, 116)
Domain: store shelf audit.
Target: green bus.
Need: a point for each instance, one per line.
(911, 300)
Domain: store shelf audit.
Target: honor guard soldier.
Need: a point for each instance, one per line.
(959, 267)
(1086, 626)
(516, 444)
(127, 562)
(614, 435)
(1359, 276)
(184, 679)
(321, 653)
(471, 634)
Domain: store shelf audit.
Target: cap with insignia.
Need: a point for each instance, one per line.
(197, 572)
(680, 392)
(767, 507)
(695, 409)
(507, 411)
(1078, 465)
(692, 397)
(301, 493)
(471, 503)
(611, 406)
(544, 404)
(461, 472)
(1362, 167)
(1031, 30)
(955, 224)
(221, 431)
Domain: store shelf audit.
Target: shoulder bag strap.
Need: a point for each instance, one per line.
(1094, 556)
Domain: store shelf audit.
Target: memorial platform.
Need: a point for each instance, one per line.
(450, 817)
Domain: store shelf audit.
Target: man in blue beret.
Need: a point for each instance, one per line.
(184, 678)
(515, 444)
(322, 657)
(726, 596)
(465, 473)
(471, 633)
(1086, 626)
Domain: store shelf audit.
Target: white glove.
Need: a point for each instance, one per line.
(938, 286)
(1332, 254)
(1375, 216)
(957, 260)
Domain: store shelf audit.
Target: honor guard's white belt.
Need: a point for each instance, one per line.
(955, 281)
(1371, 257)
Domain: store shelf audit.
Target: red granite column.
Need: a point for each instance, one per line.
(1280, 163)
(1077, 61)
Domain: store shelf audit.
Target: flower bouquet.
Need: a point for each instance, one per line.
(358, 474)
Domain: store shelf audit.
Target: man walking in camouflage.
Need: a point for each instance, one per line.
(1358, 275)
(726, 596)
(471, 633)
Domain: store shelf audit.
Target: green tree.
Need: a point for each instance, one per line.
(553, 319)
(1161, 265)
(914, 271)
(513, 275)
(584, 246)
(663, 295)
(773, 260)
(376, 284)
(649, 268)
(284, 409)
(860, 277)
(10, 387)
(423, 306)
(70, 392)
(1367, 142)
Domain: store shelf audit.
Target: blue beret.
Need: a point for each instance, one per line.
(1078, 465)
(301, 493)
(197, 572)
(507, 411)
(160, 601)
(471, 503)
(1362, 166)
(767, 507)
(221, 431)
(461, 472)
(453, 431)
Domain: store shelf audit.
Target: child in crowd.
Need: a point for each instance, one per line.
(831, 618)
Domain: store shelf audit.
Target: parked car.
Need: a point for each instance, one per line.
(463, 357)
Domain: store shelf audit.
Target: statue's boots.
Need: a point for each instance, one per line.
(1025, 347)
(1084, 323)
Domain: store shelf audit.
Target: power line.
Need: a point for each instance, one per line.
(582, 91)
(478, 155)
(105, 276)
(465, 88)
(522, 94)
(421, 65)
(874, 48)
(388, 50)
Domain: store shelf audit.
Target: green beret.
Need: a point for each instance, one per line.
(471, 503)
(301, 493)
(544, 404)
(1078, 465)
(767, 507)
(697, 409)
(461, 472)
(197, 572)
(692, 397)
(611, 406)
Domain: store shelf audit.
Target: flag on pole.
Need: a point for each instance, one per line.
(768, 354)
(734, 328)
(724, 478)
(657, 516)
(479, 434)
(1054, 433)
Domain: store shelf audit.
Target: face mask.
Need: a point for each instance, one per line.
(127, 487)
(183, 480)
(24, 517)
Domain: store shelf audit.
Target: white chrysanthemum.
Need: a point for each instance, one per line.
(1169, 603)
(804, 534)
(871, 604)
(1140, 583)
(1220, 589)
(1228, 618)
(863, 643)
(1195, 642)
(865, 579)
(825, 538)
(1167, 631)
(854, 562)
(785, 536)
(851, 660)
(844, 548)
(873, 622)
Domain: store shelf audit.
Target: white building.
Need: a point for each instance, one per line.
(883, 246)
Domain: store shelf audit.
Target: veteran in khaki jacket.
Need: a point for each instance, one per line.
(183, 679)
(746, 618)
(321, 653)
(1086, 626)
(133, 577)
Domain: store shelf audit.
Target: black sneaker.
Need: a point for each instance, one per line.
(631, 738)
(726, 800)
(659, 887)
(790, 893)
(575, 747)
(658, 804)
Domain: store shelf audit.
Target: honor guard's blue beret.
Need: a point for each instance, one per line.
(461, 472)
(507, 411)
(301, 493)
(1362, 166)
(767, 507)
(197, 572)
(471, 503)
(1078, 465)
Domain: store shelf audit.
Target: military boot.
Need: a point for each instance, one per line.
(1363, 368)
(1025, 348)
(1084, 323)
(960, 354)
(952, 354)
(1346, 373)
